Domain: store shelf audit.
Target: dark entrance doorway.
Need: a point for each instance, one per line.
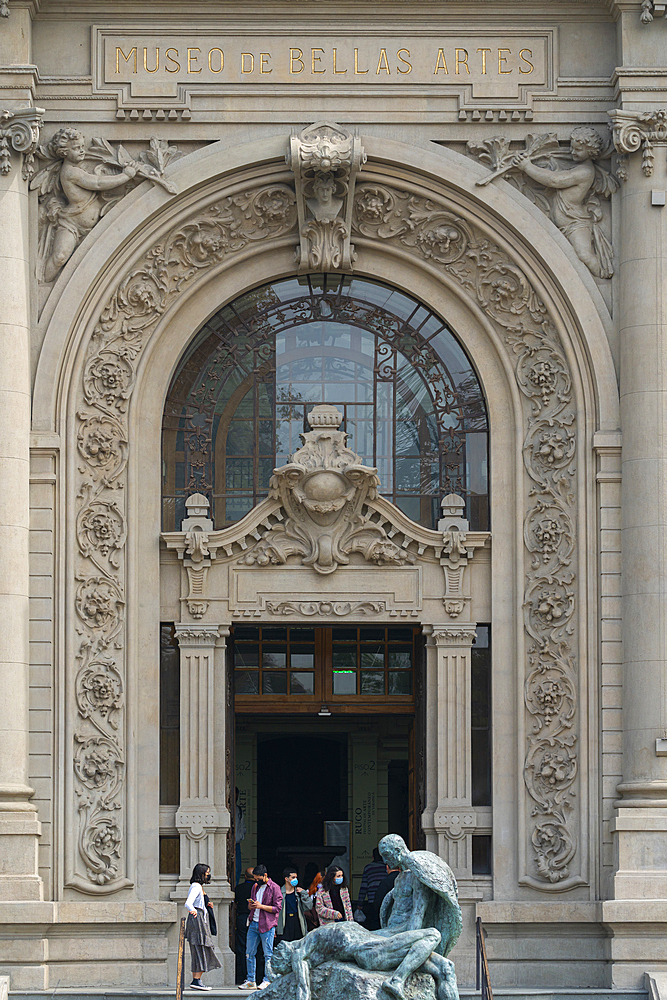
(301, 783)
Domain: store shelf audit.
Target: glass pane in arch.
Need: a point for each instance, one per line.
(411, 401)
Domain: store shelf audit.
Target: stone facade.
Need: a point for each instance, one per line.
(505, 164)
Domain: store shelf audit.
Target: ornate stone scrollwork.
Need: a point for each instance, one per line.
(510, 301)
(570, 195)
(323, 491)
(325, 159)
(97, 863)
(72, 199)
(456, 553)
(19, 131)
(639, 129)
(326, 609)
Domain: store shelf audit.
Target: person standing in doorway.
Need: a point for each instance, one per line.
(197, 930)
(296, 902)
(241, 897)
(385, 886)
(265, 904)
(374, 872)
(333, 898)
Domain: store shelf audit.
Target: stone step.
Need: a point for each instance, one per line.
(165, 993)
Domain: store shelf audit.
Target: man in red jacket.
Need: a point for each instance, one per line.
(265, 904)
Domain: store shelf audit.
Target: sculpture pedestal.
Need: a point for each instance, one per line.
(342, 981)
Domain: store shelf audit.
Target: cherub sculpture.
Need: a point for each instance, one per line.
(73, 198)
(421, 923)
(574, 205)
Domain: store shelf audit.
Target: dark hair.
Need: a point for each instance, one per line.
(259, 870)
(376, 855)
(330, 874)
(199, 873)
(289, 871)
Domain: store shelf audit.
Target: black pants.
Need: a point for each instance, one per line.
(241, 936)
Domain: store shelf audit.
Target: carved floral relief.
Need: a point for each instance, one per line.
(429, 230)
(98, 859)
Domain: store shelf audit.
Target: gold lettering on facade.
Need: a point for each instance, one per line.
(220, 60)
(316, 59)
(264, 62)
(296, 56)
(502, 60)
(337, 71)
(484, 51)
(131, 53)
(461, 60)
(157, 60)
(404, 61)
(173, 59)
(357, 71)
(383, 63)
(527, 61)
(441, 63)
(193, 59)
(244, 59)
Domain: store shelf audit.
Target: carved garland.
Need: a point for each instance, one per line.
(429, 231)
(108, 380)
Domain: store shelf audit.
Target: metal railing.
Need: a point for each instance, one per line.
(482, 980)
(180, 966)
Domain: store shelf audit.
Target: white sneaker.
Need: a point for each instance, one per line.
(264, 984)
(200, 986)
(249, 984)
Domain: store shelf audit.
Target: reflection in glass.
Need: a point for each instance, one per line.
(246, 681)
(302, 683)
(412, 404)
(274, 682)
(372, 682)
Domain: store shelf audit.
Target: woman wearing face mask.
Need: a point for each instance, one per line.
(197, 930)
(333, 899)
(296, 901)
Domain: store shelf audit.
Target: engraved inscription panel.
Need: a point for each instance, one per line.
(167, 64)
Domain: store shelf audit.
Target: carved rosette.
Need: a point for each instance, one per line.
(19, 132)
(635, 130)
(430, 230)
(97, 860)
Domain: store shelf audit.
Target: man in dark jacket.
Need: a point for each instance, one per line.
(373, 874)
(385, 886)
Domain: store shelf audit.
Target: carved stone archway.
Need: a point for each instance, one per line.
(114, 334)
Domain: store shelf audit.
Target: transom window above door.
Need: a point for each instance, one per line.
(411, 401)
(297, 666)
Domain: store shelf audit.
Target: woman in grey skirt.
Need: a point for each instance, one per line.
(197, 930)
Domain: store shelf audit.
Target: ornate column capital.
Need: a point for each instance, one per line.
(635, 129)
(199, 635)
(19, 130)
(461, 634)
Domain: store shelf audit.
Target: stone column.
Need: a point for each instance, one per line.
(641, 823)
(202, 817)
(19, 828)
(448, 819)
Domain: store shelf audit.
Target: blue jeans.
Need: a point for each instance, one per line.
(252, 943)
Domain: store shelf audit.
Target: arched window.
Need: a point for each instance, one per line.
(411, 401)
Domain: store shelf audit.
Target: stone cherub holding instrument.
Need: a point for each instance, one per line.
(573, 192)
(420, 924)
